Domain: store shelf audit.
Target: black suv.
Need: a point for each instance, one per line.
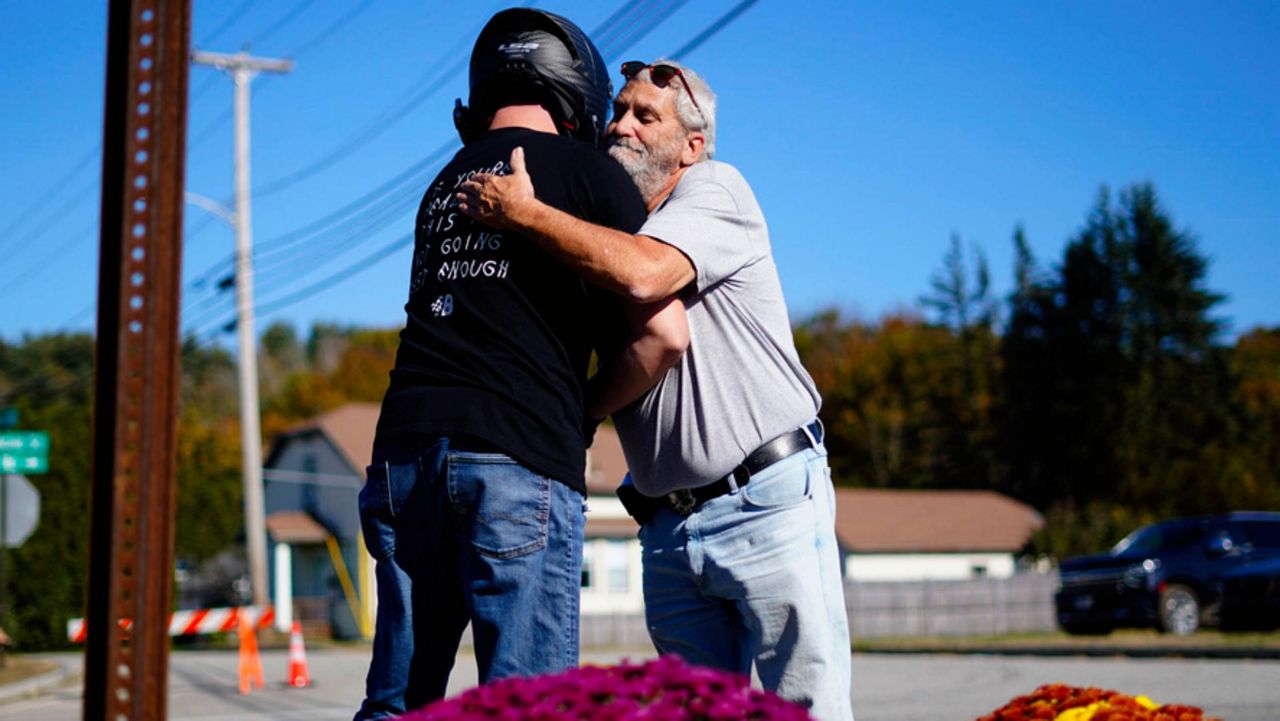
(1167, 575)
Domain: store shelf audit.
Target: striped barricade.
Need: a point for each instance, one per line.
(193, 622)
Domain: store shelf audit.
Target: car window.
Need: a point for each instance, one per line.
(1182, 535)
(1262, 534)
(1146, 538)
(1161, 537)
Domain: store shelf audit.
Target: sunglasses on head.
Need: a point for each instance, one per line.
(661, 75)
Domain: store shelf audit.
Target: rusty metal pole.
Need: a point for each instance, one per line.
(136, 375)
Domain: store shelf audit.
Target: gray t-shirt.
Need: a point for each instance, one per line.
(740, 383)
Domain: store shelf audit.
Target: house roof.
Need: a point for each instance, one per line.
(624, 527)
(348, 427)
(295, 527)
(921, 521)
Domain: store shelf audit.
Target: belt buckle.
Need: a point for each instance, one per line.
(683, 501)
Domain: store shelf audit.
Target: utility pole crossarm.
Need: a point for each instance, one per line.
(241, 61)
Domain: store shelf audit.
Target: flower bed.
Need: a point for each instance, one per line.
(665, 689)
(1059, 702)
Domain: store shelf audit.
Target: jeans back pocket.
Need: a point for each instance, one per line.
(385, 495)
(503, 507)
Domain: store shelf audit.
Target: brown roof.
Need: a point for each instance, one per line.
(348, 427)
(605, 463)
(295, 527)
(892, 521)
(611, 527)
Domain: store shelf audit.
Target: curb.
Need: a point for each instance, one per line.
(35, 685)
(1207, 652)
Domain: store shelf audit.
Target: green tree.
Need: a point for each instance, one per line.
(1255, 359)
(966, 397)
(880, 388)
(49, 380)
(1116, 388)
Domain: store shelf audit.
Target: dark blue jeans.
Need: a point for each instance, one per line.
(464, 537)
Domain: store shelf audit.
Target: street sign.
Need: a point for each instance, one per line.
(24, 452)
(21, 509)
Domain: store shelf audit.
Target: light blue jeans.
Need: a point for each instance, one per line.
(464, 537)
(754, 576)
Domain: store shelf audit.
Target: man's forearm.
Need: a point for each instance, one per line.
(661, 337)
(635, 266)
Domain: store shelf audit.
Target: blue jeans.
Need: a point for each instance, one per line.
(464, 537)
(754, 576)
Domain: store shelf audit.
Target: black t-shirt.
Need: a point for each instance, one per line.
(499, 334)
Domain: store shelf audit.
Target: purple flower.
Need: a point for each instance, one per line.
(664, 689)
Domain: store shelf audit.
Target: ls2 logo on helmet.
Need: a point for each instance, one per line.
(517, 48)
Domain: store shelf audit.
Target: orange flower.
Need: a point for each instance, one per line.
(1059, 702)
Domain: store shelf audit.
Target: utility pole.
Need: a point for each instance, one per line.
(242, 68)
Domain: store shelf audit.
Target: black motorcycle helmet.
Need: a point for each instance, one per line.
(533, 56)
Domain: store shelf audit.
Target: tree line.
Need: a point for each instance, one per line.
(1101, 391)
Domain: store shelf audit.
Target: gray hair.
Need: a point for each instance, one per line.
(700, 118)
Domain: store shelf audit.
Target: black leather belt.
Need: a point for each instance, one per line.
(686, 501)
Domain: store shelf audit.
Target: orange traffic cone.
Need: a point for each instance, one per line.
(298, 676)
(250, 662)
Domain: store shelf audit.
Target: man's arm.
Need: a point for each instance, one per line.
(660, 335)
(638, 267)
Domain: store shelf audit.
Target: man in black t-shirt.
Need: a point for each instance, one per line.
(473, 507)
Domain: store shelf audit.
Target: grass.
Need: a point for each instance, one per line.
(16, 668)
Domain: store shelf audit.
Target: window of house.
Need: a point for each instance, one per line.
(310, 502)
(618, 566)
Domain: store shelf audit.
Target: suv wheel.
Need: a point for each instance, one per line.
(1179, 610)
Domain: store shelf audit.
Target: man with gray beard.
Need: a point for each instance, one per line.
(728, 475)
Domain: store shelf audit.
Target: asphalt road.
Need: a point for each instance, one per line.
(203, 685)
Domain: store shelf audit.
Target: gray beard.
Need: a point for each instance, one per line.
(649, 168)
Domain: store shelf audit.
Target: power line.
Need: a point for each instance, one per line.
(715, 27)
(629, 36)
(337, 25)
(604, 35)
(58, 187)
(385, 120)
(340, 276)
(449, 145)
(51, 219)
(379, 125)
(63, 183)
(310, 230)
(18, 279)
(227, 23)
(350, 271)
(386, 206)
(377, 207)
(310, 44)
(287, 18)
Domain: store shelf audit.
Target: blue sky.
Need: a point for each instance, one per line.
(871, 132)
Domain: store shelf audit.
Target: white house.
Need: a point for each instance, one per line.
(909, 535)
(314, 472)
(312, 479)
(313, 475)
(610, 549)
